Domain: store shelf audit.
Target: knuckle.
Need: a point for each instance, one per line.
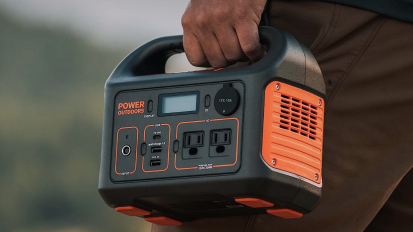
(202, 21)
(185, 21)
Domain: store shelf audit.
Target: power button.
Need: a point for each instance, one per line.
(227, 100)
(207, 101)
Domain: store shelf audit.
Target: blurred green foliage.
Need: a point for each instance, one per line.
(51, 108)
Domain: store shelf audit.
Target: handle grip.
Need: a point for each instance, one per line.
(151, 57)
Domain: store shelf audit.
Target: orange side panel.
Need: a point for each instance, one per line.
(132, 211)
(163, 221)
(254, 202)
(285, 213)
(292, 138)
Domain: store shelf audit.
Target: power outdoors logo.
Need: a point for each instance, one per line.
(137, 107)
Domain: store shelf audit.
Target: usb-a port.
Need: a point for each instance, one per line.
(155, 162)
(156, 149)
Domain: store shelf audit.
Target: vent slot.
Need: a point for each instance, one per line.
(285, 122)
(303, 120)
(284, 101)
(285, 96)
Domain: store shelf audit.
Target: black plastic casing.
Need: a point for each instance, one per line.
(286, 61)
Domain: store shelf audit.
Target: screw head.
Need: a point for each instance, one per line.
(319, 102)
(277, 86)
(316, 176)
(273, 161)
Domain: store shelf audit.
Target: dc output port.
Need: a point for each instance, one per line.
(126, 150)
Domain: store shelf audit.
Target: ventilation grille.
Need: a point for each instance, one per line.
(298, 116)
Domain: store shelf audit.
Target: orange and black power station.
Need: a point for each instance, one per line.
(214, 143)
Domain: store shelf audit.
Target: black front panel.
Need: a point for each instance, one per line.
(176, 131)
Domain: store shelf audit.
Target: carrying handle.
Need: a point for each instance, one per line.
(151, 57)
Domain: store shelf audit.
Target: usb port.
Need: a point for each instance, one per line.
(156, 162)
(156, 137)
(156, 149)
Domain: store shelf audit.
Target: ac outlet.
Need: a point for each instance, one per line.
(220, 143)
(194, 139)
(194, 145)
(220, 137)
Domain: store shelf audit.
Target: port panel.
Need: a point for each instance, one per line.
(126, 151)
(219, 147)
(156, 138)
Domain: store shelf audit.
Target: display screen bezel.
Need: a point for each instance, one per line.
(161, 99)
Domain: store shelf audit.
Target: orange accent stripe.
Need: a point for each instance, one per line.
(163, 221)
(132, 211)
(144, 132)
(254, 202)
(136, 149)
(182, 168)
(285, 213)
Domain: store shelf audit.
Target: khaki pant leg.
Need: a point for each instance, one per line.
(397, 212)
(367, 63)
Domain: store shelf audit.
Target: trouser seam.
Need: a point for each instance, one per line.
(361, 51)
(331, 27)
(250, 223)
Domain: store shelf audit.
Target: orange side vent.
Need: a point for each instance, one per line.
(163, 221)
(293, 130)
(254, 202)
(285, 213)
(132, 211)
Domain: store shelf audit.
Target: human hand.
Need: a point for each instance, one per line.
(219, 33)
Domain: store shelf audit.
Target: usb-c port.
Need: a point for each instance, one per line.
(156, 162)
(156, 149)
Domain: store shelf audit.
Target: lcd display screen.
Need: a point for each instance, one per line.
(179, 103)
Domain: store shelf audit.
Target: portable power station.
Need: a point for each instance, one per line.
(213, 143)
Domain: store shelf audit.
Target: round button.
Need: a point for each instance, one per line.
(227, 100)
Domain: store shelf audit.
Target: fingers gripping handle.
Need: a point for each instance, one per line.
(151, 57)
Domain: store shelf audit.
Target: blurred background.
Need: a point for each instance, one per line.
(55, 57)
